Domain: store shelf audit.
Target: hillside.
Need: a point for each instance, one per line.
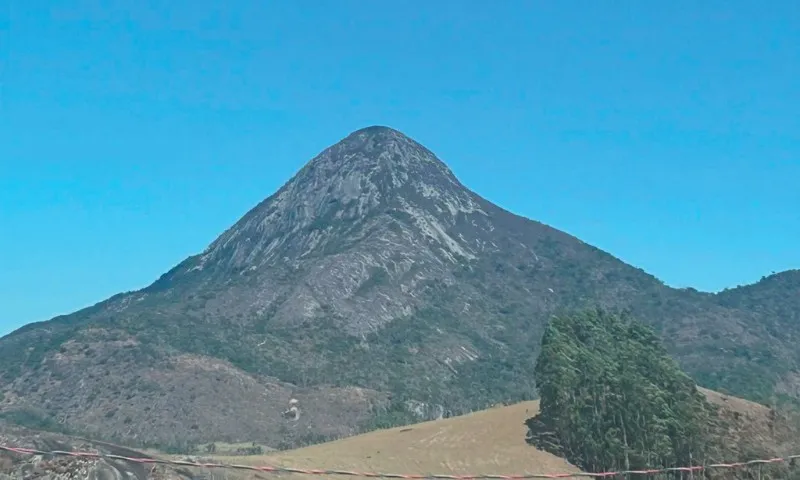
(16, 466)
(488, 441)
(491, 441)
(756, 431)
(776, 301)
(373, 288)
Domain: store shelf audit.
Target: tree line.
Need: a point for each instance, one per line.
(613, 399)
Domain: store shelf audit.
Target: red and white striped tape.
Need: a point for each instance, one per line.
(304, 471)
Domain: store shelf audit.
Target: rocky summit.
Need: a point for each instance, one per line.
(372, 289)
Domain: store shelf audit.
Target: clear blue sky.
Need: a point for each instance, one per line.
(133, 133)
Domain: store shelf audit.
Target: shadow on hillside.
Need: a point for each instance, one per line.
(542, 438)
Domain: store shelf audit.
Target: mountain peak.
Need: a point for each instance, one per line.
(376, 130)
(341, 193)
(383, 148)
(370, 165)
(379, 136)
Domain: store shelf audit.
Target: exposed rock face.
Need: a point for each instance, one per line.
(372, 282)
(376, 204)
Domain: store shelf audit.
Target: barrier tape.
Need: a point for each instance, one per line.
(303, 471)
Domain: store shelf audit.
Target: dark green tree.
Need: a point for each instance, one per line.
(612, 399)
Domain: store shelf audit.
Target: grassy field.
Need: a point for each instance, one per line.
(493, 441)
(489, 441)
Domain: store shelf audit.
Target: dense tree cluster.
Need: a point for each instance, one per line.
(611, 397)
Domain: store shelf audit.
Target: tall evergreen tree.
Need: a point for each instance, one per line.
(613, 399)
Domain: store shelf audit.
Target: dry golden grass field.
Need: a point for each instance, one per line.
(489, 441)
(493, 442)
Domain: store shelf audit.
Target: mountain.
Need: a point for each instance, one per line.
(775, 300)
(373, 288)
(776, 296)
